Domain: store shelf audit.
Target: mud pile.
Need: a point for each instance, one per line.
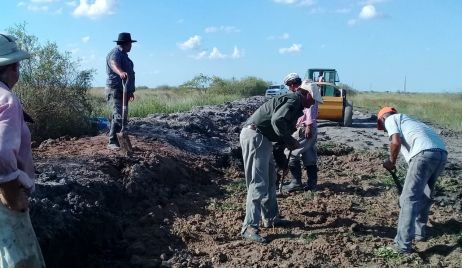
(179, 200)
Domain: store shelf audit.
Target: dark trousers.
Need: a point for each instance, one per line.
(116, 123)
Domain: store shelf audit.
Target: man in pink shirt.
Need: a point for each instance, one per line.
(18, 243)
(306, 134)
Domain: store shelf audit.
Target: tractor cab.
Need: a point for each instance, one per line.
(322, 75)
(335, 107)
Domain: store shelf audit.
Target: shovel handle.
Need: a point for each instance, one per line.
(281, 181)
(124, 103)
(396, 180)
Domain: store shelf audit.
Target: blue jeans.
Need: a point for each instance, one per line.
(260, 177)
(415, 201)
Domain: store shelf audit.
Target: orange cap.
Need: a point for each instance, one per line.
(380, 114)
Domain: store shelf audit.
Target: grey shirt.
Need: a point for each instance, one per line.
(123, 61)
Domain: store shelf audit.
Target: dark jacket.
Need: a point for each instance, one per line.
(276, 118)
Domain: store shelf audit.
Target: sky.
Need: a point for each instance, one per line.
(380, 45)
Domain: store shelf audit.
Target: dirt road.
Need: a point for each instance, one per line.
(179, 200)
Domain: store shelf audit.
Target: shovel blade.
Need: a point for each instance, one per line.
(125, 144)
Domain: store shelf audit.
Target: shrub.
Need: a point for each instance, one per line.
(52, 89)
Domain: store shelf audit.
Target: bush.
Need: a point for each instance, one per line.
(249, 86)
(52, 89)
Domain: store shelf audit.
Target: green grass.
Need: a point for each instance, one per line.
(307, 237)
(149, 101)
(389, 254)
(309, 195)
(444, 109)
(236, 187)
(447, 183)
(223, 206)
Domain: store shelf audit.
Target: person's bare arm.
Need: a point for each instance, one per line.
(395, 146)
(14, 196)
(123, 75)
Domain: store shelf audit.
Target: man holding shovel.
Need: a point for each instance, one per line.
(274, 121)
(119, 69)
(426, 155)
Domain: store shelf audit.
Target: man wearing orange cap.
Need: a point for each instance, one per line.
(426, 155)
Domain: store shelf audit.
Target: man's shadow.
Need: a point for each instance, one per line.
(451, 226)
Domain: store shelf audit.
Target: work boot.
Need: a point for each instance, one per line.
(252, 234)
(113, 144)
(296, 181)
(312, 174)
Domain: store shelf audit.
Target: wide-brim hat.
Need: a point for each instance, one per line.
(9, 51)
(125, 38)
(313, 89)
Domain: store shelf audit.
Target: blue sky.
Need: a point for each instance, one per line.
(374, 44)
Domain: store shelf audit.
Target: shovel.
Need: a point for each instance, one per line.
(280, 180)
(396, 180)
(124, 140)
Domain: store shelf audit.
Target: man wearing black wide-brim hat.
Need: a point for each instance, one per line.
(119, 68)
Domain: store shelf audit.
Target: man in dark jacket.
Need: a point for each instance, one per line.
(274, 121)
(119, 68)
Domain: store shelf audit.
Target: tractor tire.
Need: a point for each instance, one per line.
(348, 114)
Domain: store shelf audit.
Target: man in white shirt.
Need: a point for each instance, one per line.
(426, 155)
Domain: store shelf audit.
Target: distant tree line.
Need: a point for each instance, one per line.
(55, 91)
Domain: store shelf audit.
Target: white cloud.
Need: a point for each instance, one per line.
(283, 36)
(236, 53)
(191, 43)
(226, 29)
(292, 49)
(286, 2)
(368, 12)
(71, 3)
(85, 39)
(216, 54)
(296, 2)
(94, 8)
